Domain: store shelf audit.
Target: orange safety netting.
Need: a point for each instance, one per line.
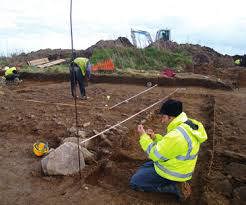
(106, 65)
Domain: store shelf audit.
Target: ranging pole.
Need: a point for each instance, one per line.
(75, 94)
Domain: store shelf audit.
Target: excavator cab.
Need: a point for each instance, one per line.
(163, 34)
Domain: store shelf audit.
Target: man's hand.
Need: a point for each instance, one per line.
(141, 129)
(151, 133)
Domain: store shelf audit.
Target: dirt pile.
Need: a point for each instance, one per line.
(51, 54)
(202, 56)
(120, 42)
(54, 54)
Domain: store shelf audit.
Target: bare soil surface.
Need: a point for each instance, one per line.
(44, 111)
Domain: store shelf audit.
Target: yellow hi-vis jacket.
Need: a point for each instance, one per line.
(82, 63)
(237, 62)
(10, 71)
(175, 154)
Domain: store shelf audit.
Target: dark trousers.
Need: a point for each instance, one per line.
(146, 179)
(77, 77)
(12, 77)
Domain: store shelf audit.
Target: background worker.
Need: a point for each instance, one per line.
(80, 70)
(11, 73)
(237, 62)
(173, 155)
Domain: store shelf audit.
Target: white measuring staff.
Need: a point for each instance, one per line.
(133, 97)
(130, 117)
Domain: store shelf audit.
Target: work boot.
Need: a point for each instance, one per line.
(83, 97)
(184, 191)
(76, 97)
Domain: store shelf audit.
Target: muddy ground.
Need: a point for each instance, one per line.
(30, 113)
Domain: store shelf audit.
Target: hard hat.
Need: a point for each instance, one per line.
(40, 148)
(6, 68)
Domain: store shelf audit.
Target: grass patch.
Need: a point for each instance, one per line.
(148, 58)
(63, 68)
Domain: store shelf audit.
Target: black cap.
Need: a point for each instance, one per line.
(171, 108)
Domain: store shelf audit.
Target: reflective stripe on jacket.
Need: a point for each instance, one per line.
(82, 63)
(10, 71)
(175, 154)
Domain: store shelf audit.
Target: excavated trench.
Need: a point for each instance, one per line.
(23, 122)
(114, 171)
(114, 79)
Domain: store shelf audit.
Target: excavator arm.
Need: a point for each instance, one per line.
(145, 33)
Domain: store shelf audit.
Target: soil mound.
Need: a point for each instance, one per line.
(201, 55)
(51, 54)
(119, 42)
(54, 54)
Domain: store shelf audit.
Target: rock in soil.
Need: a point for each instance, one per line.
(109, 167)
(72, 130)
(239, 195)
(71, 139)
(88, 144)
(237, 171)
(63, 160)
(86, 124)
(88, 156)
(105, 141)
(224, 187)
(82, 134)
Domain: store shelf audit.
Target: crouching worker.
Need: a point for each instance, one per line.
(173, 156)
(11, 74)
(80, 70)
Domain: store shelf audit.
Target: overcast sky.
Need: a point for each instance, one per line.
(28, 25)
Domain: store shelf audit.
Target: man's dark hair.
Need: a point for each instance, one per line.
(171, 108)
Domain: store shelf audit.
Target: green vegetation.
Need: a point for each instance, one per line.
(62, 68)
(128, 61)
(148, 58)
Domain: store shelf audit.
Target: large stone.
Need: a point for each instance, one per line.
(63, 160)
(89, 157)
(71, 139)
(87, 144)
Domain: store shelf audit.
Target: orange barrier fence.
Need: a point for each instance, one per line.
(106, 65)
